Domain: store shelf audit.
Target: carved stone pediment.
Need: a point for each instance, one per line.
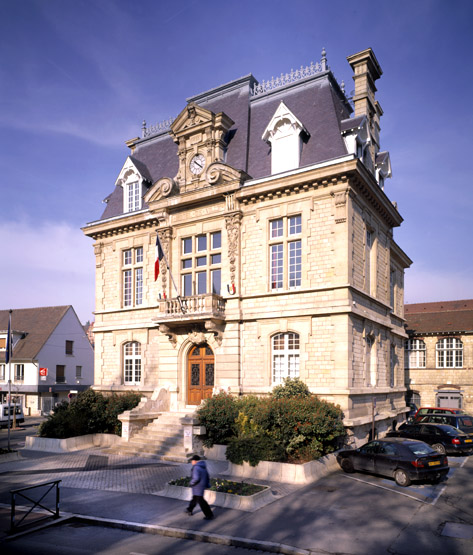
(162, 188)
(218, 172)
(192, 115)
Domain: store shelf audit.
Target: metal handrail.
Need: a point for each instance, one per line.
(15, 492)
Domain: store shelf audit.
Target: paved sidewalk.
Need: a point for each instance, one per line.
(333, 515)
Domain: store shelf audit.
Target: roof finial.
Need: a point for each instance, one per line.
(342, 86)
(143, 128)
(323, 61)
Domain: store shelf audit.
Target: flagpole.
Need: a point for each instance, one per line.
(8, 355)
(183, 310)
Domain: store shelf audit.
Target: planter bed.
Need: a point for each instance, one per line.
(248, 503)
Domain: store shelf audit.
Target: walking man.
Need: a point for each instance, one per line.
(199, 482)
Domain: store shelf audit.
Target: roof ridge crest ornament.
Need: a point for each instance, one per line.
(288, 78)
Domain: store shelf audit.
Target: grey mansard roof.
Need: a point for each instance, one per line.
(316, 101)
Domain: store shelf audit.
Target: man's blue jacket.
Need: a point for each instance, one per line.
(199, 478)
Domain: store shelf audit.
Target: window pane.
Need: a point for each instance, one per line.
(295, 225)
(216, 240)
(201, 283)
(216, 281)
(187, 285)
(201, 243)
(139, 255)
(201, 261)
(139, 286)
(216, 259)
(295, 264)
(127, 283)
(277, 228)
(187, 245)
(127, 257)
(276, 266)
(187, 263)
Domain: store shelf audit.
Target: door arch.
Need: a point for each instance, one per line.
(200, 374)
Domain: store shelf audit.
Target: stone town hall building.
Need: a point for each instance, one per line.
(270, 205)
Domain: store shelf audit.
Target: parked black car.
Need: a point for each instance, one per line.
(442, 437)
(405, 460)
(463, 422)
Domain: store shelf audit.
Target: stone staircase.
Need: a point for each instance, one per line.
(162, 439)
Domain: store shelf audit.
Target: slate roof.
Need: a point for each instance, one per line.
(316, 101)
(439, 317)
(36, 323)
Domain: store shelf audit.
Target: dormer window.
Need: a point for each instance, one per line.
(132, 196)
(284, 133)
(133, 179)
(383, 167)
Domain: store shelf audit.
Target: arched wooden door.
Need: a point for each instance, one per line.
(200, 374)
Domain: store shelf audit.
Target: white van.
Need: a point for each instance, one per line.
(19, 416)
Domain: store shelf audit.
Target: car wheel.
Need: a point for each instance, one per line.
(401, 477)
(439, 448)
(347, 466)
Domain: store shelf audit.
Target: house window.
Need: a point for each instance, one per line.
(415, 353)
(78, 371)
(60, 373)
(285, 252)
(69, 347)
(201, 264)
(370, 361)
(449, 353)
(132, 363)
(393, 364)
(370, 262)
(285, 356)
(3, 343)
(132, 196)
(2, 372)
(132, 264)
(19, 372)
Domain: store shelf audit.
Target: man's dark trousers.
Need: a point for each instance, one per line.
(203, 505)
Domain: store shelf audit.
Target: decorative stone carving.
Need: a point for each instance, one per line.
(340, 200)
(166, 330)
(162, 188)
(232, 223)
(197, 337)
(216, 329)
(165, 236)
(218, 172)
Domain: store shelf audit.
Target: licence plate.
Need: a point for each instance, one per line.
(434, 463)
(468, 440)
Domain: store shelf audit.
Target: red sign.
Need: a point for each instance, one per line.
(43, 371)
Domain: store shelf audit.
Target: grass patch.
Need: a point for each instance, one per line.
(223, 486)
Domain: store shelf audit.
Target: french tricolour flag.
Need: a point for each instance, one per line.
(159, 257)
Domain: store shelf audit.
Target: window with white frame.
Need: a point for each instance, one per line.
(370, 360)
(132, 269)
(19, 372)
(415, 353)
(449, 353)
(285, 356)
(132, 192)
(285, 253)
(132, 363)
(2, 372)
(392, 366)
(201, 264)
(78, 371)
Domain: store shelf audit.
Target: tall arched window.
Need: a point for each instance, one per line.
(132, 363)
(449, 353)
(285, 356)
(415, 353)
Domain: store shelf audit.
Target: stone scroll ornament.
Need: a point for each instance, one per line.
(164, 238)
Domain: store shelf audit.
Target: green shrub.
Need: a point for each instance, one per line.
(88, 413)
(292, 387)
(254, 449)
(218, 415)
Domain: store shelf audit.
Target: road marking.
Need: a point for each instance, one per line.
(388, 489)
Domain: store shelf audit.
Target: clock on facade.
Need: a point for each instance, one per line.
(197, 164)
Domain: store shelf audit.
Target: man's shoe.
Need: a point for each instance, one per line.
(188, 512)
(209, 517)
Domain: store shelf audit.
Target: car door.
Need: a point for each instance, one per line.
(364, 457)
(386, 459)
(429, 434)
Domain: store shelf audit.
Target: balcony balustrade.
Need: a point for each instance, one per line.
(197, 307)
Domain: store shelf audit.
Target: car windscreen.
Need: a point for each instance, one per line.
(451, 430)
(419, 448)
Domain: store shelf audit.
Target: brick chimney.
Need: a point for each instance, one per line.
(366, 71)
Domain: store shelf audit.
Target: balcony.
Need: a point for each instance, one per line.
(198, 308)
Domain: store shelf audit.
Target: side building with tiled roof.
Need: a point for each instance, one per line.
(439, 354)
(279, 260)
(52, 357)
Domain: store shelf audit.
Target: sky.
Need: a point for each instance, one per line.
(78, 77)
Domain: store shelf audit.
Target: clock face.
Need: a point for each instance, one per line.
(197, 164)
